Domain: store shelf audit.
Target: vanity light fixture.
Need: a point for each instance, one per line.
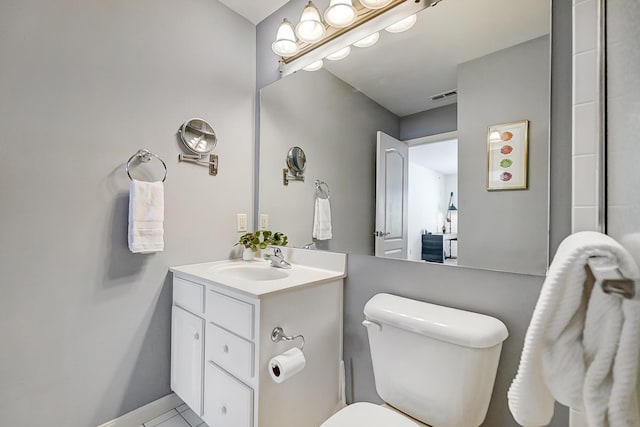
(286, 43)
(368, 41)
(317, 29)
(340, 13)
(314, 66)
(310, 29)
(339, 54)
(403, 24)
(375, 4)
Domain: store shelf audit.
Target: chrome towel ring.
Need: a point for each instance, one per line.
(322, 190)
(143, 155)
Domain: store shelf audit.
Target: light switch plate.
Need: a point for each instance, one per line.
(242, 222)
(264, 222)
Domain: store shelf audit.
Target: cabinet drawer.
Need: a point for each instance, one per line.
(230, 313)
(230, 352)
(189, 295)
(228, 402)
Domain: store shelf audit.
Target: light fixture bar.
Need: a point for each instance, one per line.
(364, 15)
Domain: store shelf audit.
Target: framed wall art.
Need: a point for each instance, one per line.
(507, 156)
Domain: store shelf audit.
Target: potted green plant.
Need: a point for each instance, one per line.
(253, 242)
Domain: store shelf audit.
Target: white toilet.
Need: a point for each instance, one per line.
(435, 365)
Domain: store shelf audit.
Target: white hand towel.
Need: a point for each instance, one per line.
(582, 345)
(322, 220)
(146, 215)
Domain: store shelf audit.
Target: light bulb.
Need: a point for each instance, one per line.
(340, 13)
(403, 24)
(375, 4)
(314, 66)
(285, 44)
(310, 29)
(339, 54)
(368, 41)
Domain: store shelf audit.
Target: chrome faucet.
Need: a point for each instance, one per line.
(309, 245)
(276, 257)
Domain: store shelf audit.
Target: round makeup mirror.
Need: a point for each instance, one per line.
(296, 160)
(198, 136)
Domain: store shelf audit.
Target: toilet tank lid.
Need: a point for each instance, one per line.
(455, 326)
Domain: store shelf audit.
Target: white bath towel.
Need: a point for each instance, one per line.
(581, 347)
(146, 216)
(322, 220)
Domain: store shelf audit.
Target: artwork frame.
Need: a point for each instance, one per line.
(508, 156)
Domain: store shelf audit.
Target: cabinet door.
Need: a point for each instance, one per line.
(187, 357)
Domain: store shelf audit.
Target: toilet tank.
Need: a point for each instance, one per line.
(434, 363)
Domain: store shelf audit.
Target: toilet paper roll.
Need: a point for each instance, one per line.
(286, 365)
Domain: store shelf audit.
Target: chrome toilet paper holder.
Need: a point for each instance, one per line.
(278, 335)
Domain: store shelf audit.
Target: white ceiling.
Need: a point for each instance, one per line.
(402, 71)
(441, 157)
(254, 10)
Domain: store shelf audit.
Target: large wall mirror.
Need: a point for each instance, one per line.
(399, 133)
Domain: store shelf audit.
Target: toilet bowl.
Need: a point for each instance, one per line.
(364, 414)
(432, 364)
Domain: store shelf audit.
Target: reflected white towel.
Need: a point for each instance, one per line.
(581, 347)
(322, 220)
(146, 215)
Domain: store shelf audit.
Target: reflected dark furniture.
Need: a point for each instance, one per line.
(433, 248)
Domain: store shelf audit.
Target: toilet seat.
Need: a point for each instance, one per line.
(364, 414)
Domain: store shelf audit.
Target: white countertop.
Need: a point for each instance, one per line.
(328, 266)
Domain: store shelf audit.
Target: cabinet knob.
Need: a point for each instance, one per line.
(225, 349)
(196, 336)
(223, 410)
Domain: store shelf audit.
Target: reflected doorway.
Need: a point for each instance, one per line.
(417, 198)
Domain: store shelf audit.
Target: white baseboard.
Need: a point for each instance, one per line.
(146, 413)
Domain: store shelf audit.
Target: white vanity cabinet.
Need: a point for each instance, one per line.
(221, 346)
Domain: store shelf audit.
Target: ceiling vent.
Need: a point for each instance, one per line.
(444, 95)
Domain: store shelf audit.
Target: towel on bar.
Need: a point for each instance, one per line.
(322, 220)
(146, 215)
(581, 347)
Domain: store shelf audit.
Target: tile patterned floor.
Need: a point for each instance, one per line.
(181, 416)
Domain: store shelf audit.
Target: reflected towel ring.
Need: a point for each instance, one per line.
(143, 155)
(321, 192)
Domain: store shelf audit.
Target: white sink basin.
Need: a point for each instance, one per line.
(252, 272)
(257, 278)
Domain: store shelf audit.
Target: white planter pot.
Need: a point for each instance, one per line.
(248, 255)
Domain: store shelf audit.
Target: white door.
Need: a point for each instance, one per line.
(391, 197)
(187, 358)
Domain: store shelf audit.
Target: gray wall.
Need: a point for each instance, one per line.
(336, 127)
(623, 126)
(85, 324)
(430, 122)
(488, 292)
(501, 230)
